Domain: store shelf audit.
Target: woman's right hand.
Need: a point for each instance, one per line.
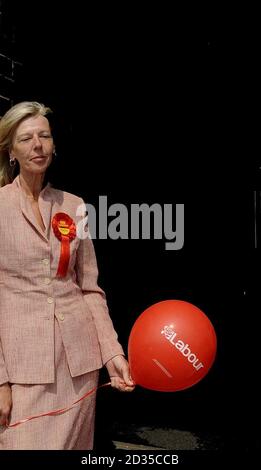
(5, 403)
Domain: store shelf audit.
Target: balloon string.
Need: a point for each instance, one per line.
(55, 412)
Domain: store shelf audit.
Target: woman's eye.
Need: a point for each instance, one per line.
(41, 136)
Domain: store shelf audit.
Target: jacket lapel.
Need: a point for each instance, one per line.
(45, 207)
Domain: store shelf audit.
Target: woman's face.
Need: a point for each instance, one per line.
(33, 145)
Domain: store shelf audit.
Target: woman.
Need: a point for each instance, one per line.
(55, 329)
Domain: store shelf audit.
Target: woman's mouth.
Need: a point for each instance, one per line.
(38, 159)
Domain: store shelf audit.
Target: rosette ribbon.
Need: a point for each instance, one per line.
(65, 230)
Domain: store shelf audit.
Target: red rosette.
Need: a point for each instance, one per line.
(65, 230)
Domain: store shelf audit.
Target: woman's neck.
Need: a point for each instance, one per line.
(31, 184)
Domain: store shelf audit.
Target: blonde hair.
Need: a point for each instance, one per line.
(8, 125)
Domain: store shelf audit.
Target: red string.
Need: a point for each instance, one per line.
(55, 412)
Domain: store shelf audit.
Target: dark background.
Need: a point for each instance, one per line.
(148, 110)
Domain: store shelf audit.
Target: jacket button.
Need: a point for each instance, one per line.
(50, 300)
(61, 316)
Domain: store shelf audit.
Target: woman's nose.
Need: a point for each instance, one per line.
(37, 141)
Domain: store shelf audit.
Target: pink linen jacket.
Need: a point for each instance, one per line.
(31, 294)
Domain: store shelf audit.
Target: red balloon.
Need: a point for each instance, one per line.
(172, 346)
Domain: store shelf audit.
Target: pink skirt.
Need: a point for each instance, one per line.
(71, 430)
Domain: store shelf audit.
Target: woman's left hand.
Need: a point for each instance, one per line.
(119, 372)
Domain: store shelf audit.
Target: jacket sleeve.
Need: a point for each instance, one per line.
(3, 372)
(87, 276)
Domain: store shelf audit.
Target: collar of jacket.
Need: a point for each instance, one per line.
(44, 203)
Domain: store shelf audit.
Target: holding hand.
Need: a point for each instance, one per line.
(119, 372)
